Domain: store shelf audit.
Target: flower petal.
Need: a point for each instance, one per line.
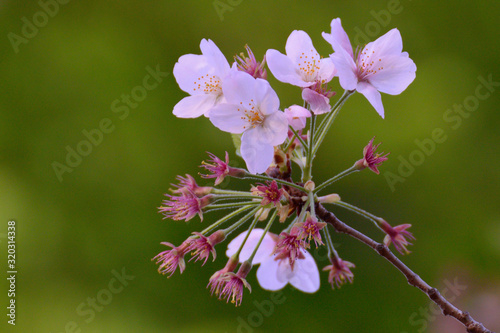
(194, 106)
(214, 57)
(306, 274)
(338, 37)
(346, 69)
(372, 95)
(265, 97)
(228, 118)
(296, 116)
(397, 74)
(263, 253)
(326, 70)
(390, 44)
(284, 69)
(298, 46)
(319, 103)
(270, 274)
(238, 87)
(274, 129)
(188, 69)
(258, 155)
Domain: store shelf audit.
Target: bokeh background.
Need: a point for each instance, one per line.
(102, 217)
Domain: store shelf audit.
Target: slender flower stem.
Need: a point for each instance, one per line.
(220, 197)
(216, 224)
(254, 222)
(359, 211)
(237, 224)
(280, 181)
(307, 174)
(310, 199)
(335, 178)
(327, 123)
(446, 306)
(332, 253)
(232, 205)
(268, 226)
(223, 192)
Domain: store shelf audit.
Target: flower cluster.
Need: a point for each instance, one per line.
(238, 99)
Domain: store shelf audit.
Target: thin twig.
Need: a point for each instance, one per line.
(447, 308)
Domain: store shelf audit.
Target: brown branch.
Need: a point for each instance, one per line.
(447, 308)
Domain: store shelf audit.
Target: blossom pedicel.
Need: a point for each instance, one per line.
(239, 100)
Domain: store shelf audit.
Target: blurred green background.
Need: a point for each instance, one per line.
(101, 219)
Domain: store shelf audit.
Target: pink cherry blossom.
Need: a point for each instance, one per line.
(188, 184)
(169, 260)
(252, 108)
(379, 66)
(270, 193)
(250, 65)
(340, 272)
(203, 246)
(184, 206)
(371, 159)
(297, 116)
(398, 235)
(274, 274)
(302, 65)
(201, 76)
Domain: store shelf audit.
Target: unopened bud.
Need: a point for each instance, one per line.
(330, 198)
(309, 185)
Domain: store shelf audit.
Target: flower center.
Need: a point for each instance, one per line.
(367, 63)
(210, 84)
(251, 114)
(309, 66)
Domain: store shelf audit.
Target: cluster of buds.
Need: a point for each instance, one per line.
(238, 99)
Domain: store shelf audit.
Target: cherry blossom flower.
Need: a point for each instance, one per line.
(220, 169)
(271, 194)
(171, 259)
(290, 246)
(234, 283)
(397, 235)
(274, 274)
(203, 246)
(201, 76)
(340, 272)
(371, 159)
(184, 206)
(250, 65)
(216, 282)
(252, 109)
(310, 229)
(379, 66)
(302, 66)
(297, 116)
(188, 184)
